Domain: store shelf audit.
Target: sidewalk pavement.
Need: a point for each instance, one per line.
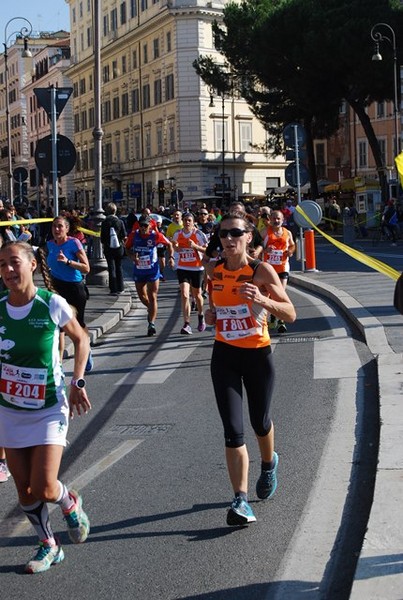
(103, 312)
(366, 298)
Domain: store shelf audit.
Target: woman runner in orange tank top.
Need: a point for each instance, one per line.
(244, 292)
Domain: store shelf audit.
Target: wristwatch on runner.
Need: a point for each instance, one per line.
(78, 383)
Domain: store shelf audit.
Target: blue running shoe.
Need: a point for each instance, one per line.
(90, 363)
(267, 483)
(240, 513)
(78, 524)
(46, 556)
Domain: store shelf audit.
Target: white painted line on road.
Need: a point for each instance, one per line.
(104, 463)
(163, 363)
(335, 359)
(21, 526)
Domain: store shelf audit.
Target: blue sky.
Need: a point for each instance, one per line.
(45, 15)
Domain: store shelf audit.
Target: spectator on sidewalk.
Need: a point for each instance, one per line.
(389, 219)
(334, 214)
(114, 255)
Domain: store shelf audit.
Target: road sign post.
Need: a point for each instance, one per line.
(295, 137)
(53, 100)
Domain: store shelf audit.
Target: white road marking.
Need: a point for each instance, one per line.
(163, 363)
(20, 525)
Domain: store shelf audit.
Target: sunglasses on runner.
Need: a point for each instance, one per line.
(234, 232)
(265, 215)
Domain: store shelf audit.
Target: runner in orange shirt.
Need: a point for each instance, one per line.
(278, 247)
(190, 244)
(244, 292)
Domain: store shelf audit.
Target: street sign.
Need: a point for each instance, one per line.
(291, 174)
(289, 135)
(20, 174)
(66, 155)
(43, 96)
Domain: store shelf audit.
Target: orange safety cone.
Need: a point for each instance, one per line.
(310, 258)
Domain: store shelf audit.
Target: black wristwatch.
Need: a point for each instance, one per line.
(78, 383)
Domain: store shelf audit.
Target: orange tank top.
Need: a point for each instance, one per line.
(277, 255)
(188, 258)
(239, 322)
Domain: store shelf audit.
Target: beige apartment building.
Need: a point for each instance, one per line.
(21, 72)
(161, 138)
(48, 69)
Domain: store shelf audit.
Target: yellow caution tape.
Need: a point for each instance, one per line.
(89, 231)
(24, 222)
(375, 264)
(19, 222)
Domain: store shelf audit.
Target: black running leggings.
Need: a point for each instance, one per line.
(230, 367)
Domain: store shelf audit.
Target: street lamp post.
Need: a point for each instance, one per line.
(378, 37)
(24, 32)
(211, 91)
(223, 149)
(98, 274)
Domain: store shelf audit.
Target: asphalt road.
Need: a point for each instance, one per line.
(149, 461)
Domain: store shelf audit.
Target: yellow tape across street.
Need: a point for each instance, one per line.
(375, 264)
(45, 220)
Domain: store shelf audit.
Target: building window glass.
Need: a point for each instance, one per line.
(169, 87)
(169, 41)
(159, 139)
(123, 15)
(157, 91)
(114, 19)
(107, 111)
(171, 137)
(156, 47)
(133, 9)
(245, 136)
(380, 110)
(137, 153)
(145, 54)
(125, 104)
(148, 143)
(382, 148)
(362, 154)
(116, 108)
(146, 95)
(218, 135)
(106, 25)
(135, 101)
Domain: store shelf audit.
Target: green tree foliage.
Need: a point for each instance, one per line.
(297, 60)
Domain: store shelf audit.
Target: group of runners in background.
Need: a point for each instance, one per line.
(240, 263)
